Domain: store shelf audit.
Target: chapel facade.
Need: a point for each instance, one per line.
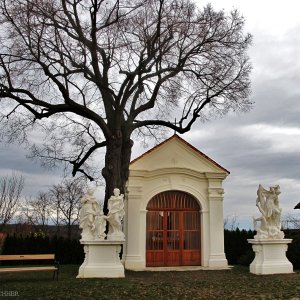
(174, 210)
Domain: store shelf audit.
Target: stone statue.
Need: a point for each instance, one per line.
(270, 222)
(92, 220)
(115, 216)
(100, 226)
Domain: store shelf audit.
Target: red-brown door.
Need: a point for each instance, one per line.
(173, 230)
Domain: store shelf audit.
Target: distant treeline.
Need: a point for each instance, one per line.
(19, 229)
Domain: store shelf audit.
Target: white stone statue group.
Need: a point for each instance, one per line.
(93, 221)
(270, 220)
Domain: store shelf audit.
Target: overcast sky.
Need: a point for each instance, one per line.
(262, 146)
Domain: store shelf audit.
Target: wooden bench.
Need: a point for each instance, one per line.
(29, 257)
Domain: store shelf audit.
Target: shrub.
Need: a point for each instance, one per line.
(236, 244)
(293, 253)
(246, 259)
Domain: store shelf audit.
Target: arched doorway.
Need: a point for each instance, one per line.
(173, 230)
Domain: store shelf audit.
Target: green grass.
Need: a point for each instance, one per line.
(236, 283)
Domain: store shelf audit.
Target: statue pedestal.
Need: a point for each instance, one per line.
(101, 260)
(270, 257)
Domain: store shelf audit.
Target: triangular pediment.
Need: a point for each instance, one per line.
(176, 153)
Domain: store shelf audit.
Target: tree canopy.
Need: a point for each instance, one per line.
(90, 73)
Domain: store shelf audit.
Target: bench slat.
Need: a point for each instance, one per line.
(48, 268)
(27, 257)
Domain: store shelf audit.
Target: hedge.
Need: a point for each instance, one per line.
(66, 251)
(239, 251)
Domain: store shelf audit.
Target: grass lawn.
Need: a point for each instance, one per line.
(236, 283)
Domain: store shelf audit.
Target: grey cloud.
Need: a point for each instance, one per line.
(13, 159)
(13, 156)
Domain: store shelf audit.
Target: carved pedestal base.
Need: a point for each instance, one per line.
(101, 260)
(270, 257)
(116, 237)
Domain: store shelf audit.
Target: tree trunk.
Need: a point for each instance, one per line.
(69, 232)
(117, 159)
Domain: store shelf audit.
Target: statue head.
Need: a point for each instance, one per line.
(90, 191)
(277, 189)
(89, 196)
(116, 192)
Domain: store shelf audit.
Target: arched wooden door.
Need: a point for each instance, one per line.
(173, 230)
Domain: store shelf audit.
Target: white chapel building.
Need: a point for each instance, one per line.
(174, 210)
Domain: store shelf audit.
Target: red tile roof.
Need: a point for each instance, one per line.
(175, 136)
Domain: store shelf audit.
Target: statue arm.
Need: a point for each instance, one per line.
(260, 209)
(261, 201)
(261, 192)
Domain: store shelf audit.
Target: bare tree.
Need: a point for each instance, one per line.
(66, 202)
(93, 73)
(291, 221)
(37, 210)
(231, 222)
(10, 193)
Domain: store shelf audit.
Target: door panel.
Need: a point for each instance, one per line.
(173, 230)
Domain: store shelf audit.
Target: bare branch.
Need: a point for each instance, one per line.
(10, 193)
